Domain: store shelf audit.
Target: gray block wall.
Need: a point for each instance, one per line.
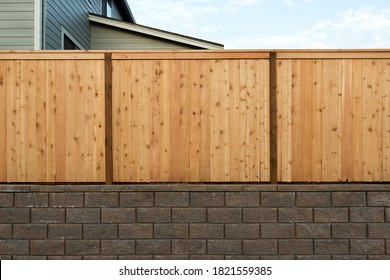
(195, 222)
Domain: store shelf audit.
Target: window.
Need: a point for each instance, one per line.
(109, 8)
(69, 44)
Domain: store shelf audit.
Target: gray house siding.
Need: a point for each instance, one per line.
(104, 38)
(71, 15)
(17, 24)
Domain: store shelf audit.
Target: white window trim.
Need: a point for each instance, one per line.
(38, 11)
(64, 31)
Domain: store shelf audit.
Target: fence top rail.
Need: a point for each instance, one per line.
(334, 54)
(51, 55)
(198, 54)
(171, 55)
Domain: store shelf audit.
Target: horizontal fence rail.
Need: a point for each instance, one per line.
(195, 116)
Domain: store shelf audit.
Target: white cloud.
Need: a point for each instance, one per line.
(361, 28)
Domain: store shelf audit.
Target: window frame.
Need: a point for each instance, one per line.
(65, 32)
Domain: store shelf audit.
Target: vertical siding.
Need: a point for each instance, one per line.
(17, 24)
(73, 16)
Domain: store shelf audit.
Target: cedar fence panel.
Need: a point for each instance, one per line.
(333, 117)
(52, 118)
(183, 119)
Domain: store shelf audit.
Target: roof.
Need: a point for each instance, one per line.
(154, 32)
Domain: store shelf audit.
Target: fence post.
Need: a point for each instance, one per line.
(273, 118)
(108, 117)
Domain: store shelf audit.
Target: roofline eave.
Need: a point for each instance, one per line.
(155, 32)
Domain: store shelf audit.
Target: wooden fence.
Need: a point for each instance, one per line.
(191, 120)
(333, 117)
(52, 117)
(194, 116)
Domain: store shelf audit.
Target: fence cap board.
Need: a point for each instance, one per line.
(171, 55)
(195, 54)
(333, 54)
(51, 55)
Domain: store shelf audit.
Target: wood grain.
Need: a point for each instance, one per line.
(48, 120)
(190, 120)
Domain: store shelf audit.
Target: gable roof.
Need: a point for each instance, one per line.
(154, 32)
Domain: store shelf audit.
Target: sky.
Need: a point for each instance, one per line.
(272, 24)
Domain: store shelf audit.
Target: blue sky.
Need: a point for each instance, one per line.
(272, 24)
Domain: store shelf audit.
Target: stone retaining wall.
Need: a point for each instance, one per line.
(195, 222)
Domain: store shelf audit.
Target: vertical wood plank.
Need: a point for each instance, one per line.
(71, 120)
(367, 95)
(357, 120)
(3, 121)
(225, 122)
(60, 119)
(297, 112)
(337, 125)
(81, 122)
(386, 120)
(100, 123)
(306, 120)
(145, 120)
(130, 127)
(265, 121)
(184, 113)
(21, 136)
(251, 112)
(280, 117)
(31, 129)
(13, 90)
(21, 123)
(284, 95)
(377, 120)
(174, 122)
(205, 122)
(317, 109)
(215, 120)
(116, 114)
(334, 120)
(52, 90)
(235, 145)
(347, 125)
(165, 121)
(194, 131)
(90, 114)
(244, 122)
(40, 125)
(155, 99)
(326, 121)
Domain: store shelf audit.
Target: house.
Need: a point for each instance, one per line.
(83, 24)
